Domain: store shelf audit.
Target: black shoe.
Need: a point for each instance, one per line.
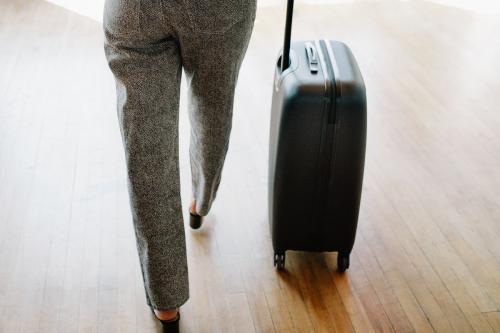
(169, 326)
(195, 220)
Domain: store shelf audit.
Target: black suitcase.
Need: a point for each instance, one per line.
(317, 148)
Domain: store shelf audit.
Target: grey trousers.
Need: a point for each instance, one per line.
(147, 44)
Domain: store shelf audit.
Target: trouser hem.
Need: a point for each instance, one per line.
(174, 306)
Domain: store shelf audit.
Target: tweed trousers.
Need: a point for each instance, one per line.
(148, 44)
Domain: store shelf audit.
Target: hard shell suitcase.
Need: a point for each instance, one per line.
(317, 148)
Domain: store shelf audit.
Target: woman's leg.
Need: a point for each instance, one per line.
(146, 64)
(212, 62)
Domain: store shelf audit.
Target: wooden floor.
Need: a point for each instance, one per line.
(427, 252)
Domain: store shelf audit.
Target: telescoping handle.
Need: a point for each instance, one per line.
(285, 59)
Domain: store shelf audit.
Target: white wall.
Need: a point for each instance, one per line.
(93, 8)
(90, 8)
(486, 6)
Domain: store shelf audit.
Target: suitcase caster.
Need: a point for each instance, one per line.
(279, 260)
(342, 262)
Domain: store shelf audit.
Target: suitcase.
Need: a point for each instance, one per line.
(317, 148)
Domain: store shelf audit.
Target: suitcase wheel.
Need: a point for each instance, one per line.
(342, 262)
(279, 260)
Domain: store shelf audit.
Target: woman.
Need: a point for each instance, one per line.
(147, 44)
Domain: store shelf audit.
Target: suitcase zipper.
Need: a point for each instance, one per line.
(328, 81)
(333, 139)
(335, 68)
(327, 140)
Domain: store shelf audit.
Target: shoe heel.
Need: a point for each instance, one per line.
(195, 221)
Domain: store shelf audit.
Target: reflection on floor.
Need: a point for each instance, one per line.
(427, 255)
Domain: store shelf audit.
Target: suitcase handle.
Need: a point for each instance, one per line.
(285, 59)
(312, 56)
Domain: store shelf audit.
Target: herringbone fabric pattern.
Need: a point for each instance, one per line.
(147, 44)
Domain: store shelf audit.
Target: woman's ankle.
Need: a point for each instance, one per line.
(166, 315)
(192, 208)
